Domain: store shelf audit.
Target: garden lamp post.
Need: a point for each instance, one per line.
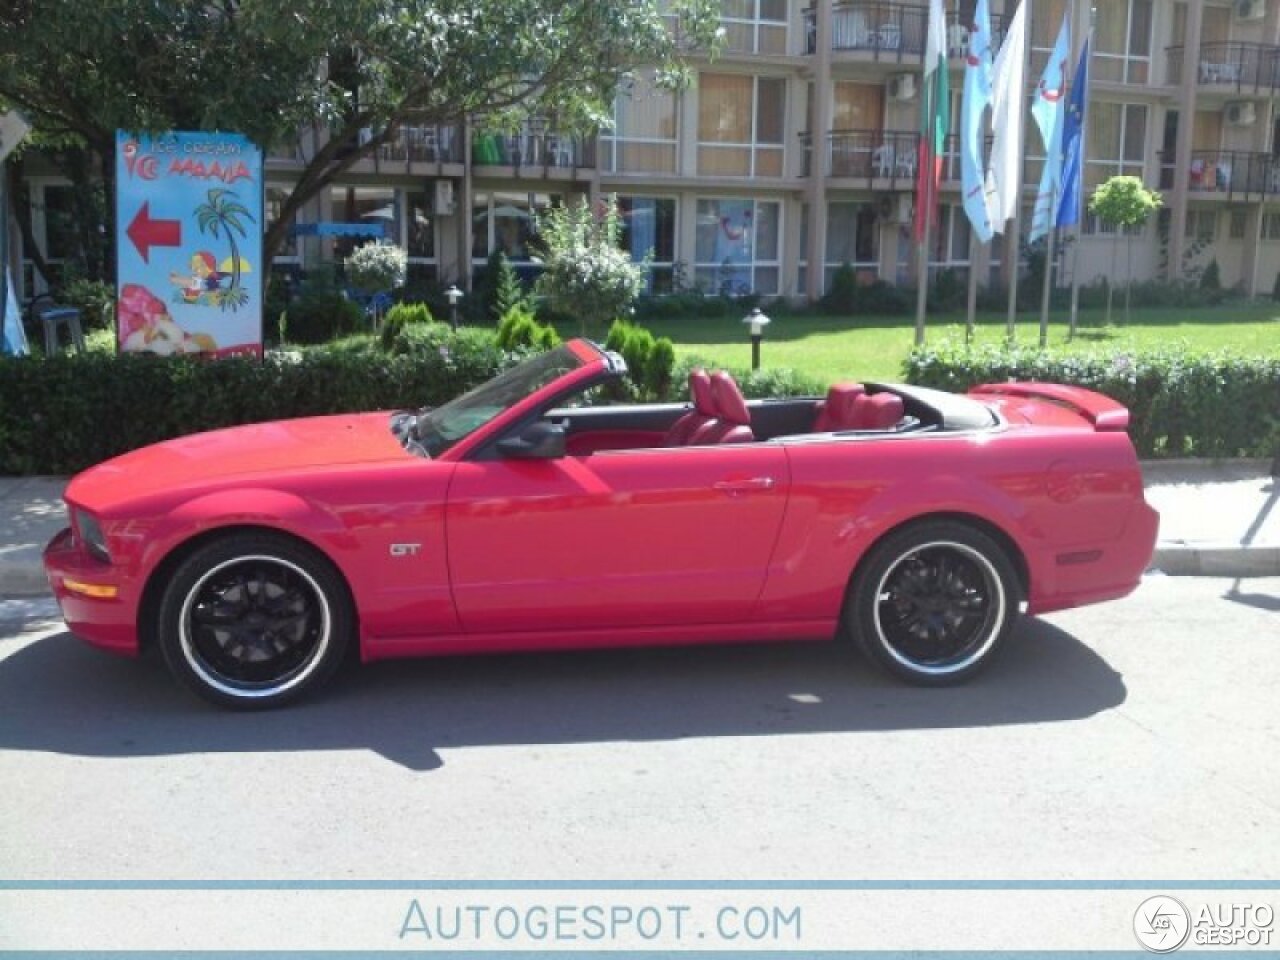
(454, 295)
(756, 322)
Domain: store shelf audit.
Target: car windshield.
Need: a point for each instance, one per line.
(439, 429)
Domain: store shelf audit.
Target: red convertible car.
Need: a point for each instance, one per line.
(520, 516)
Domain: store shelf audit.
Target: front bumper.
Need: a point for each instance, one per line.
(108, 622)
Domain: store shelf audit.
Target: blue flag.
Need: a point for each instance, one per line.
(1047, 111)
(1073, 128)
(977, 98)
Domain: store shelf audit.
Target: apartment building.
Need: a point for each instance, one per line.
(795, 151)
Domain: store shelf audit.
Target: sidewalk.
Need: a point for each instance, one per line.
(1219, 520)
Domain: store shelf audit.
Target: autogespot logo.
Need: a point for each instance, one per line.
(1161, 924)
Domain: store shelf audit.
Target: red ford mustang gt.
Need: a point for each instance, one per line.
(517, 517)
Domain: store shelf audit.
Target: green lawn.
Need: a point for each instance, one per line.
(873, 348)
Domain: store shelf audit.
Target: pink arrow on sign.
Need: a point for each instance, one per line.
(147, 233)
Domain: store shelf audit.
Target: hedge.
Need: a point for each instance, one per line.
(1182, 402)
(64, 413)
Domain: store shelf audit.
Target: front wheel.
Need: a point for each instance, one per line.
(254, 620)
(933, 602)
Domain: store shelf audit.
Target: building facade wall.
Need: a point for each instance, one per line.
(736, 152)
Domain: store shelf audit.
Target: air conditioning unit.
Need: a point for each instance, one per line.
(1240, 113)
(1251, 9)
(444, 200)
(902, 86)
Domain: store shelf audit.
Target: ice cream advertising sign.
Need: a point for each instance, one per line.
(189, 244)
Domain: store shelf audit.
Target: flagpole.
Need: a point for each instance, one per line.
(922, 281)
(1013, 234)
(1084, 164)
(972, 308)
(1048, 270)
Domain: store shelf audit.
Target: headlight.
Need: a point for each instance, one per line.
(90, 531)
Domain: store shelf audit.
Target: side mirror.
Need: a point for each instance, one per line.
(538, 441)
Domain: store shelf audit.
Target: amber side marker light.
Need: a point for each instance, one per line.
(99, 591)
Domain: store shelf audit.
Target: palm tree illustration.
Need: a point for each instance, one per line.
(223, 214)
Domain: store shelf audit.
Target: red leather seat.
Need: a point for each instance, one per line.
(733, 419)
(703, 412)
(837, 411)
(877, 411)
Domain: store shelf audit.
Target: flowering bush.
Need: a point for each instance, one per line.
(587, 275)
(377, 267)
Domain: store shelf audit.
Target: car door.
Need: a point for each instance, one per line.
(630, 538)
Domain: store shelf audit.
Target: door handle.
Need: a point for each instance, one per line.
(736, 487)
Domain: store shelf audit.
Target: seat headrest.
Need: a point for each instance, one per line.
(882, 411)
(700, 392)
(841, 399)
(731, 405)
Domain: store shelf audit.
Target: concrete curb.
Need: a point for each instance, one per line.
(1216, 560)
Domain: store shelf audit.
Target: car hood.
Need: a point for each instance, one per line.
(281, 446)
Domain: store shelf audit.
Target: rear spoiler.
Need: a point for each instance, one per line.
(1101, 411)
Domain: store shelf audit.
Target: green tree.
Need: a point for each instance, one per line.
(508, 295)
(1124, 203)
(222, 214)
(358, 70)
(586, 273)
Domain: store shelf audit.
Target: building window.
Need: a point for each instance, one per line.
(507, 222)
(274, 199)
(378, 208)
(1122, 52)
(754, 26)
(1202, 225)
(1270, 226)
(741, 120)
(1117, 138)
(1239, 221)
(853, 237)
(738, 245)
(643, 138)
(53, 223)
(950, 241)
(649, 228)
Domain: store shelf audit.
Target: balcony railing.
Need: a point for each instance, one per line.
(423, 143)
(867, 154)
(1251, 67)
(532, 147)
(1233, 174)
(889, 31)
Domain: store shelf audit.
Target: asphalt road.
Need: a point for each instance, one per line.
(1134, 740)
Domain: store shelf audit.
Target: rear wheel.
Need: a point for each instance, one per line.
(254, 620)
(933, 602)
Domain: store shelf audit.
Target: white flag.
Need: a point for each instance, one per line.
(1008, 116)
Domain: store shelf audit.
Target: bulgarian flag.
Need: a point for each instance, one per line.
(935, 119)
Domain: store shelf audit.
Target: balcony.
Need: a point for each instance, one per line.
(1231, 67)
(533, 146)
(876, 156)
(890, 31)
(1229, 174)
(421, 143)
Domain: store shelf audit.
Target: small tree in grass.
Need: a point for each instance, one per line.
(586, 273)
(1124, 203)
(377, 268)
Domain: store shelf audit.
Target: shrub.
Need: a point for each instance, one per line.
(842, 296)
(947, 292)
(587, 273)
(1182, 403)
(649, 361)
(400, 316)
(321, 315)
(520, 329)
(1211, 279)
(377, 267)
(507, 292)
(94, 299)
(882, 299)
(756, 384)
